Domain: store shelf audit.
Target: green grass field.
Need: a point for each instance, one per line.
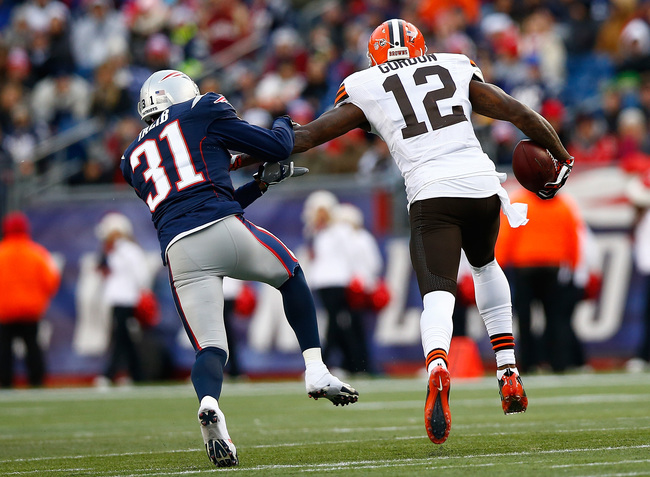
(576, 425)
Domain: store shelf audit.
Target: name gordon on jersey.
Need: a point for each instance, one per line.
(397, 64)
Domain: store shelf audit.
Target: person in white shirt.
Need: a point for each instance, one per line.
(329, 274)
(126, 275)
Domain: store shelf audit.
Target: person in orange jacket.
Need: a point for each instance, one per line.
(542, 257)
(29, 279)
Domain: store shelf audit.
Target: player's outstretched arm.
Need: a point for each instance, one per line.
(331, 124)
(491, 101)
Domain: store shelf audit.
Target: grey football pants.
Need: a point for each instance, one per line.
(232, 247)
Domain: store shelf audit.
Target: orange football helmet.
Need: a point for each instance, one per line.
(395, 40)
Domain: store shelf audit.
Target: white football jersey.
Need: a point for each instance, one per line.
(421, 108)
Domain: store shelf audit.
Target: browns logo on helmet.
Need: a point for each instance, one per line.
(395, 40)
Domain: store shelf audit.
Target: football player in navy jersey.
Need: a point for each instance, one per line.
(179, 166)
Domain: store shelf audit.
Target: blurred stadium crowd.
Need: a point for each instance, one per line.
(70, 72)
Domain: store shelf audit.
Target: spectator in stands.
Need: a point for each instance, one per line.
(126, 271)
(286, 47)
(635, 47)
(633, 140)
(19, 67)
(12, 94)
(50, 49)
(158, 52)
(582, 29)
(541, 40)
(99, 33)
(317, 87)
(110, 99)
(611, 104)
(429, 10)
(542, 257)
(38, 14)
(277, 88)
(609, 32)
(145, 19)
(590, 144)
(29, 279)
(21, 140)
(223, 23)
(61, 101)
(644, 96)
(554, 111)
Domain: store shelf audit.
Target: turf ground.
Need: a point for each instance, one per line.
(576, 425)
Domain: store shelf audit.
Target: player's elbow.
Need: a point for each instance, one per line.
(523, 117)
(281, 151)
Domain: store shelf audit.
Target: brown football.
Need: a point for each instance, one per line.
(532, 165)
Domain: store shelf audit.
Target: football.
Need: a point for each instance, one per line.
(532, 165)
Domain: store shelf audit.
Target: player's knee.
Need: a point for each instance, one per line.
(437, 283)
(297, 278)
(487, 264)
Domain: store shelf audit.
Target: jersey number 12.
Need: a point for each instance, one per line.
(413, 128)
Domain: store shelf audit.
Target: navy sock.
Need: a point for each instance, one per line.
(207, 372)
(300, 310)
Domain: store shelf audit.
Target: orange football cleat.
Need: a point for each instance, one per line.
(437, 416)
(513, 396)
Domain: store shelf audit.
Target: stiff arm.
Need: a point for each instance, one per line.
(330, 125)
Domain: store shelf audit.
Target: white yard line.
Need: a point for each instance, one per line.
(367, 464)
(380, 385)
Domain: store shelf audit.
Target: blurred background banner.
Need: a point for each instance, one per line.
(77, 328)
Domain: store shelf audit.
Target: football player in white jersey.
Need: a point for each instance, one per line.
(421, 104)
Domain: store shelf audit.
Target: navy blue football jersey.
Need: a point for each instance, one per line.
(179, 164)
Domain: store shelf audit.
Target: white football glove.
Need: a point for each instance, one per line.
(272, 173)
(563, 169)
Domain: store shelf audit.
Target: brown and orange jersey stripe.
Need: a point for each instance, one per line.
(341, 95)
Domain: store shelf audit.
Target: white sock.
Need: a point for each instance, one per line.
(314, 360)
(436, 325)
(493, 298)
(505, 356)
(436, 362)
(501, 372)
(312, 355)
(495, 305)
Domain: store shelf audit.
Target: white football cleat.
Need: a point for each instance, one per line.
(321, 383)
(218, 445)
